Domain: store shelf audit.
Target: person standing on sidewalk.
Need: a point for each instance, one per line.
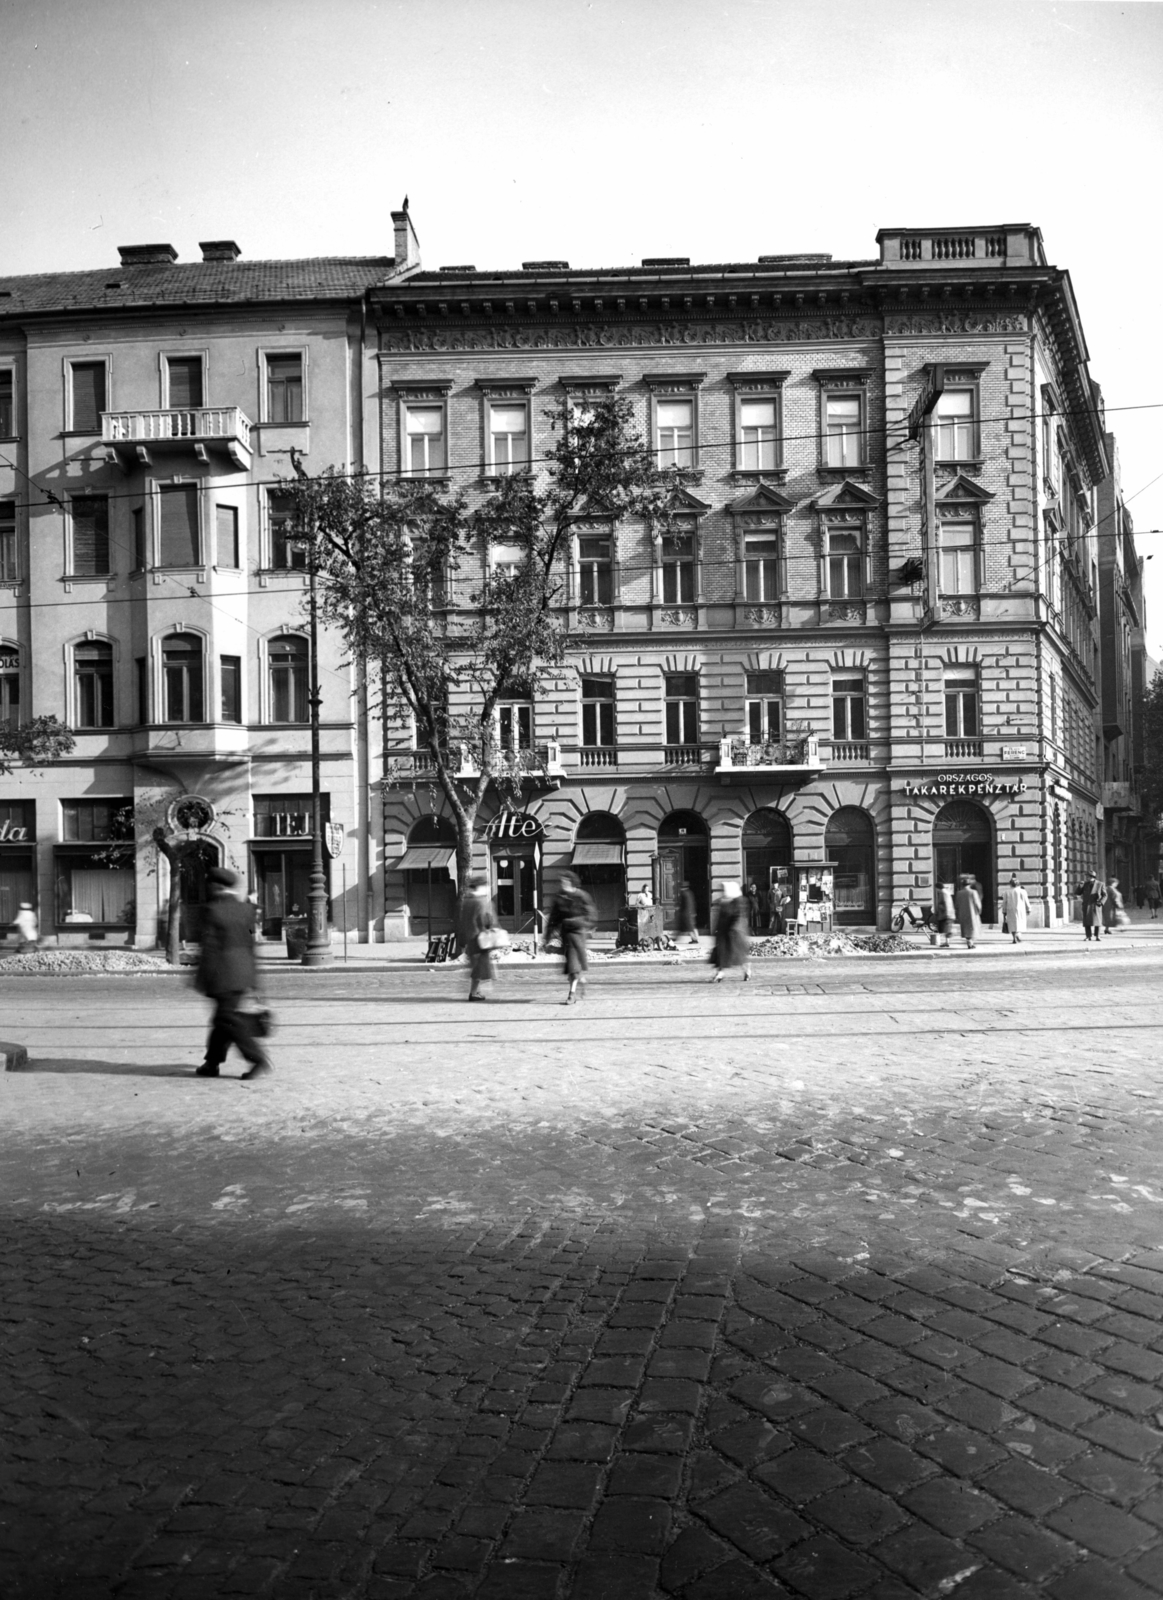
(574, 914)
(684, 922)
(968, 903)
(1113, 914)
(732, 945)
(477, 918)
(226, 974)
(1092, 894)
(1154, 896)
(27, 927)
(1015, 905)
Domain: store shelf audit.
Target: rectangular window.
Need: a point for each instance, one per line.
(9, 687)
(678, 568)
(7, 403)
(8, 571)
(285, 388)
(141, 671)
(286, 553)
(962, 710)
(956, 425)
(96, 821)
(425, 454)
(764, 707)
(515, 725)
(845, 565)
(597, 571)
(178, 530)
(761, 566)
(757, 436)
(597, 711)
(848, 709)
(184, 383)
(182, 678)
(230, 670)
(682, 708)
(87, 396)
(93, 669)
(140, 553)
(90, 554)
(958, 558)
(508, 437)
(843, 430)
(674, 426)
(226, 536)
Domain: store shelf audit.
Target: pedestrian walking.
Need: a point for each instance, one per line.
(1092, 894)
(1140, 896)
(478, 927)
(685, 913)
(1154, 896)
(227, 974)
(944, 914)
(1015, 904)
(573, 913)
(774, 916)
(752, 894)
(1113, 913)
(732, 944)
(967, 901)
(27, 927)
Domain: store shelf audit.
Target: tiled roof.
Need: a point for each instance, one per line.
(193, 283)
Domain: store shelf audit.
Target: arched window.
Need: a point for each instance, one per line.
(850, 844)
(9, 687)
(182, 676)
(287, 658)
(93, 682)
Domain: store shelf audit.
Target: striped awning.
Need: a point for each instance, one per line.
(419, 856)
(597, 853)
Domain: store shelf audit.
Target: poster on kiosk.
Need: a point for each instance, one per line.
(815, 905)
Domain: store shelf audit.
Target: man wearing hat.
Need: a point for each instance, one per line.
(226, 974)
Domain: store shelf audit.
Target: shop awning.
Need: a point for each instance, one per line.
(419, 856)
(595, 853)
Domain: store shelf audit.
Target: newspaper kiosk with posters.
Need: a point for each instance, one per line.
(815, 896)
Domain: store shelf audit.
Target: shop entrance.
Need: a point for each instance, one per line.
(599, 857)
(283, 881)
(850, 845)
(684, 855)
(766, 855)
(515, 880)
(429, 864)
(963, 843)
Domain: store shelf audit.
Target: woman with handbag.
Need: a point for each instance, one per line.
(574, 915)
(479, 936)
(1114, 914)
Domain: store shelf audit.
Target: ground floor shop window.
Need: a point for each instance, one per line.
(17, 883)
(429, 868)
(850, 845)
(282, 879)
(683, 857)
(766, 857)
(96, 887)
(963, 845)
(599, 859)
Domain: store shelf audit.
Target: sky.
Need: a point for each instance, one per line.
(600, 131)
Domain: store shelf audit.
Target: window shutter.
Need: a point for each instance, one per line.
(90, 537)
(179, 526)
(88, 395)
(185, 383)
(227, 554)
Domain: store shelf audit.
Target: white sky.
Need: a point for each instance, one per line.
(599, 131)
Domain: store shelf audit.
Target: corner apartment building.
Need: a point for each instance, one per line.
(869, 643)
(149, 596)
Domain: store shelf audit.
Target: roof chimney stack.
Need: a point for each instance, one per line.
(407, 250)
(147, 255)
(219, 249)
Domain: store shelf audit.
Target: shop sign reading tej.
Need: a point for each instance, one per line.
(512, 825)
(952, 783)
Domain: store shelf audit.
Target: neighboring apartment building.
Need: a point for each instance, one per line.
(869, 642)
(1124, 674)
(149, 595)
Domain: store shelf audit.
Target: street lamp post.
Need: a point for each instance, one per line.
(318, 952)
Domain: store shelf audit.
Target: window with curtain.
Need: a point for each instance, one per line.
(761, 565)
(93, 680)
(764, 707)
(962, 705)
(849, 716)
(182, 678)
(674, 428)
(845, 564)
(508, 437)
(843, 430)
(958, 552)
(956, 425)
(424, 439)
(682, 707)
(678, 568)
(758, 438)
(287, 661)
(285, 387)
(596, 571)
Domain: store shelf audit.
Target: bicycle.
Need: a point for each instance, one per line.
(917, 916)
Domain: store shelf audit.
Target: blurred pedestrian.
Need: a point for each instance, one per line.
(1113, 914)
(573, 912)
(752, 894)
(478, 929)
(967, 901)
(1140, 896)
(27, 926)
(1092, 894)
(684, 922)
(732, 944)
(1154, 896)
(1015, 904)
(944, 913)
(774, 919)
(227, 974)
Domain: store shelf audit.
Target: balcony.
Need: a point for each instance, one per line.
(538, 761)
(787, 757)
(135, 435)
(964, 749)
(691, 756)
(848, 750)
(1120, 797)
(593, 758)
(1003, 245)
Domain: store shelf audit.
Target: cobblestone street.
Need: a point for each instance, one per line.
(845, 1282)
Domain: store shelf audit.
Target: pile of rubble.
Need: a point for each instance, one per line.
(75, 963)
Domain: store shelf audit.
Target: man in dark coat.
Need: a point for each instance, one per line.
(1092, 893)
(572, 914)
(685, 912)
(226, 974)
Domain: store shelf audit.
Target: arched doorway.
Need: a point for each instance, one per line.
(429, 867)
(963, 843)
(684, 856)
(766, 854)
(850, 845)
(599, 859)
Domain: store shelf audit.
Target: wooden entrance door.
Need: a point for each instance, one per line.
(515, 878)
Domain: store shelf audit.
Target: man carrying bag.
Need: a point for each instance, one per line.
(227, 975)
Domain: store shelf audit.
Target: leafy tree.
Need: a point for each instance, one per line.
(1150, 774)
(389, 556)
(34, 744)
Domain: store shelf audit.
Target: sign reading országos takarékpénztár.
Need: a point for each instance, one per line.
(955, 783)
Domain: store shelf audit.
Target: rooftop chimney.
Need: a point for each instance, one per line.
(407, 251)
(219, 249)
(147, 255)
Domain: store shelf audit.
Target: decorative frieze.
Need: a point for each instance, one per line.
(629, 335)
(684, 617)
(596, 619)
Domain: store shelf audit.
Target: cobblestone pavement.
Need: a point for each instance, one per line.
(846, 1282)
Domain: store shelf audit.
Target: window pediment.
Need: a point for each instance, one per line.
(845, 495)
(965, 489)
(762, 501)
(682, 500)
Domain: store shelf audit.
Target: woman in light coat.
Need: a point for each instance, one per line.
(1015, 905)
(732, 945)
(968, 904)
(944, 913)
(1113, 915)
